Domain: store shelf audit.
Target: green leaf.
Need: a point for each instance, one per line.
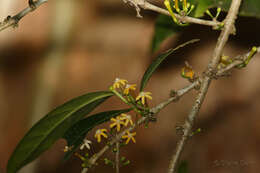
(149, 71)
(164, 28)
(249, 8)
(52, 127)
(78, 131)
(201, 7)
(183, 167)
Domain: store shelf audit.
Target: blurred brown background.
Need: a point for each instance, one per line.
(67, 48)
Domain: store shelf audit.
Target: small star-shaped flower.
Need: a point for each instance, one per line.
(86, 143)
(128, 88)
(143, 95)
(117, 122)
(99, 133)
(119, 82)
(126, 118)
(129, 136)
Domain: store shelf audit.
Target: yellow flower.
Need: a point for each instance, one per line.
(128, 88)
(116, 122)
(100, 133)
(126, 118)
(129, 136)
(143, 95)
(119, 82)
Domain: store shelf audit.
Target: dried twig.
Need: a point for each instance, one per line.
(227, 30)
(12, 21)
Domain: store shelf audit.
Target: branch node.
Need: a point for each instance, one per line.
(197, 87)
(211, 73)
(136, 4)
(179, 130)
(7, 19)
(32, 4)
(174, 93)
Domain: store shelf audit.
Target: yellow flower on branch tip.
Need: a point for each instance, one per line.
(129, 136)
(116, 122)
(119, 82)
(127, 119)
(143, 95)
(128, 88)
(99, 133)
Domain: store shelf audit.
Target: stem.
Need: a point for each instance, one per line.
(227, 30)
(127, 102)
(117, 157)
(239, 60)
(13, 21)
(184, 19)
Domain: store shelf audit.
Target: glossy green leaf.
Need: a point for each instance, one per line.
(154, 65)
(183, 167)
(164, 28)
(52, 127)
(78, 131)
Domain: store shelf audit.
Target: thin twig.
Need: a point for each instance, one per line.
(117, 156)
(185, 19)
(14, 20)
(227, 30)
(240, 59)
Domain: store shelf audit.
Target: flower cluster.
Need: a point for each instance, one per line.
(125, 89)
(118, 124)
(123, 85)
(119, 83)
(183, 9)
